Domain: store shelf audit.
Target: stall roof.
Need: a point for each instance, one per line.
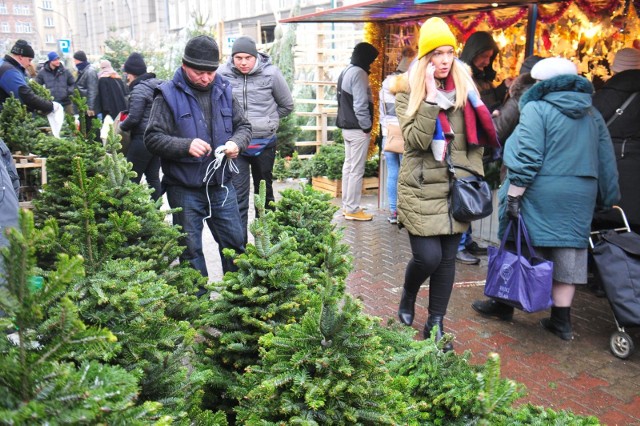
(405, 10)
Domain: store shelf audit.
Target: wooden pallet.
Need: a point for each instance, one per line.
(26, 162)
(333, 187)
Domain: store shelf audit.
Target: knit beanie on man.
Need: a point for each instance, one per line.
(626, 59)
(80, 56)
(244, 44)
(23, 48)
(202, 53)
(433, 34)
(135, 65)
(52, 56)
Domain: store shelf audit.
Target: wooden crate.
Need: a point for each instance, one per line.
(25, 163)
(334, 186)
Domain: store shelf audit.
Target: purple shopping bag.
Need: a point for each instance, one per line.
(518, 281)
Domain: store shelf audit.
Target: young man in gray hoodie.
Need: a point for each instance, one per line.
(262, 90)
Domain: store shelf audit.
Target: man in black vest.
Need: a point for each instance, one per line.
(197, 128)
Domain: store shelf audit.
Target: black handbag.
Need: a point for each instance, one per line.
(469, 197)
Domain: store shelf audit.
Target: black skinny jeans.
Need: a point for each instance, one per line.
(434, 258)
(259, 168)
(144, 163)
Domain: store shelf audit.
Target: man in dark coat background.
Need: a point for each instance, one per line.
(59, 80)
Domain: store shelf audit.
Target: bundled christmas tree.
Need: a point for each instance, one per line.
(327, 369)
(270, 288)
(130, 286)
(18, 128)
(283, 56)
(49, 368)
(307, 215)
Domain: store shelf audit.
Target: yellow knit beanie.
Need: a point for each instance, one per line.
(433, 34)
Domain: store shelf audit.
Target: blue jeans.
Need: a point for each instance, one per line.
(393, 161)
(224, 222)
(466, 239)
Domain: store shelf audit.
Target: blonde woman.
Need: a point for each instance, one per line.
(441, 115)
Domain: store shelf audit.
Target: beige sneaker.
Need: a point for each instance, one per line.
(359, 215)
(360, 209)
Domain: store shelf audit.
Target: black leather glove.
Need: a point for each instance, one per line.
(513, 206)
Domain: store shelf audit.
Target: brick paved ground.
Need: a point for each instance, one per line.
(582, 375)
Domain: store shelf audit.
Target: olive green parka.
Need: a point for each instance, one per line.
(423, 183)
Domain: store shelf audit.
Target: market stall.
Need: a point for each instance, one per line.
(589, 32)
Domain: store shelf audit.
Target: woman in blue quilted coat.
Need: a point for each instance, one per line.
(560, 168)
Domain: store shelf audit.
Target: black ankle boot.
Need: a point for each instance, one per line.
(559, 323)
(436, 321)
(406, 311)
(493, 308)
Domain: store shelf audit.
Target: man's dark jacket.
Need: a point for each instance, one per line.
(176, 119)
(59, 81)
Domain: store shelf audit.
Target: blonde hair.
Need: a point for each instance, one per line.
(461, 78)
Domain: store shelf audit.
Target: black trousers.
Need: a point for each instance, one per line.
(144, 163)
(433, 258)
(260, 168)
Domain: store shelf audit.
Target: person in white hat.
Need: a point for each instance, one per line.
(624, 130)
(560, 168)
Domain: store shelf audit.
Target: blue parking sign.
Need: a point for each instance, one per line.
(65, 45)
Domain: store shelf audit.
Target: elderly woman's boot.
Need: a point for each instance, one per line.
(559, 323)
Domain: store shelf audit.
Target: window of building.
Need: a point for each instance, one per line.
(51, 39)
(23, 27)
(3, 9)
(21, 9)
(4, 27)
(46, 4)
(48, 22)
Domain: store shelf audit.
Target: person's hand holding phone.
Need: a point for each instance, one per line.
(430, 83)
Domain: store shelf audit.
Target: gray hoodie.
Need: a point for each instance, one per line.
(263, 93)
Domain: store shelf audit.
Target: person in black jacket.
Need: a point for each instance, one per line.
(625, 133)
(355, 118)
(142, 85)
(59, 80)
(13, 81)
(111, 90)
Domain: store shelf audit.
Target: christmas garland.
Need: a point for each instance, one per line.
(548, 18)
(466, 31)
(593, 12)
(501, 24)
(554, 16)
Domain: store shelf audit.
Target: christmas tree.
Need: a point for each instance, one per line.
(18, 128)
(283, 56)
(327, 369)
(49, 367)
(306, 215)
(269, 288)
